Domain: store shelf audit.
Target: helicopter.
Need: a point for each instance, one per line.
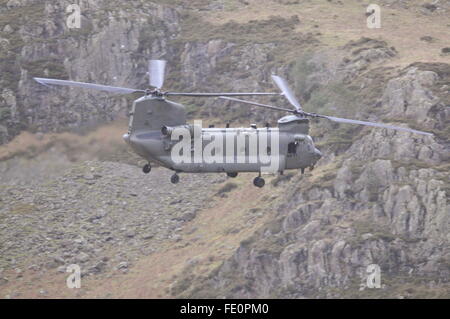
(159, 133)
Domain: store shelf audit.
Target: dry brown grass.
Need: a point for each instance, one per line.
(335, 24)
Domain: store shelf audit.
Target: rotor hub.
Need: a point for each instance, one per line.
(154, 92)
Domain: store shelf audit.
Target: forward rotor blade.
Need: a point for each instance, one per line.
(257, 104)
(287, 92)
(215, 94)
(99, 87)
(156, 69)
(398, 128)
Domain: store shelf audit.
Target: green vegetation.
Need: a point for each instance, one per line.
(10, 75)
(373, 185)
(302, 69)
(182, 285)
(282, 178)
(46, 67)
(367, 226)
(334, 96)
(272, 245)
(5, 113)
(339, 138)
(15, 18)
(191, 110)
(19, 16)
(148, 36)
(411, 164)
(394, 285)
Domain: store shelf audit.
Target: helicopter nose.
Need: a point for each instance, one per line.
(126, 137)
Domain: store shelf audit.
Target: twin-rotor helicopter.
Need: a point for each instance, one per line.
(154, 122)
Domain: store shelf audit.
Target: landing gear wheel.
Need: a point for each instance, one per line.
(175, 179)
(232, 175)
(259, 182)
(147, 168)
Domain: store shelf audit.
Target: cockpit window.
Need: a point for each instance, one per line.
(292, 148)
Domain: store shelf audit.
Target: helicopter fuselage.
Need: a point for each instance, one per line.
(158, 132)
(230, 150)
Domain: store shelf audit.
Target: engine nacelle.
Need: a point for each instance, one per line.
(168, 130)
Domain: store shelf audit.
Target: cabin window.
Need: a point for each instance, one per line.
(292, 148)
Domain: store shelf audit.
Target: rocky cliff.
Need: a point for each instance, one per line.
(112, 47)
(378, 197)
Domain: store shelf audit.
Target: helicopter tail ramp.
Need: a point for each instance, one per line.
(151, 114)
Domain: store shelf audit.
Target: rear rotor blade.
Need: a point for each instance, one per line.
(276, 108)
(99, 87)
(215, 94)
(348, 121)
(287, 92)
(331, 118)
(156, 70)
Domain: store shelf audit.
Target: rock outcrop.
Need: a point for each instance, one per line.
(383, 201)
